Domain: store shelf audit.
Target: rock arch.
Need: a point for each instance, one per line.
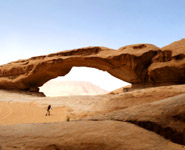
(136, 64)
(84, 81)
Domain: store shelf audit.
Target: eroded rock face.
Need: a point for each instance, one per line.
(136, 64)
(169, 65)
(164, 117)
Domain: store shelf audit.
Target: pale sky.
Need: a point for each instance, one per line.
(39, 27)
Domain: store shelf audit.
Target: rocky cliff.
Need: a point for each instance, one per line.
(139, 64)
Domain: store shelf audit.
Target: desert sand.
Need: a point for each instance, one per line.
(19, 112)
(102, 122)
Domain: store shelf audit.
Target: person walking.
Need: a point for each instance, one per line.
(48, 110)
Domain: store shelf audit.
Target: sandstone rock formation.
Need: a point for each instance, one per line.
(136, 64)
(165, 117)
(82, 135)
(169, 64)
(115, 122)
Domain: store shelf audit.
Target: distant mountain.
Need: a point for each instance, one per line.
(66, 88)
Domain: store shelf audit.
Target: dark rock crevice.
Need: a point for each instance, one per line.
(166, 132)
(180, 117)
(140, 46)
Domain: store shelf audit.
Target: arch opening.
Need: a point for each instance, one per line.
(82, 81)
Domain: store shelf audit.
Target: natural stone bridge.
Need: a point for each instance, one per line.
(137, 64)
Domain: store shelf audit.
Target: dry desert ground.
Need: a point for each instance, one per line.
(142, 119)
